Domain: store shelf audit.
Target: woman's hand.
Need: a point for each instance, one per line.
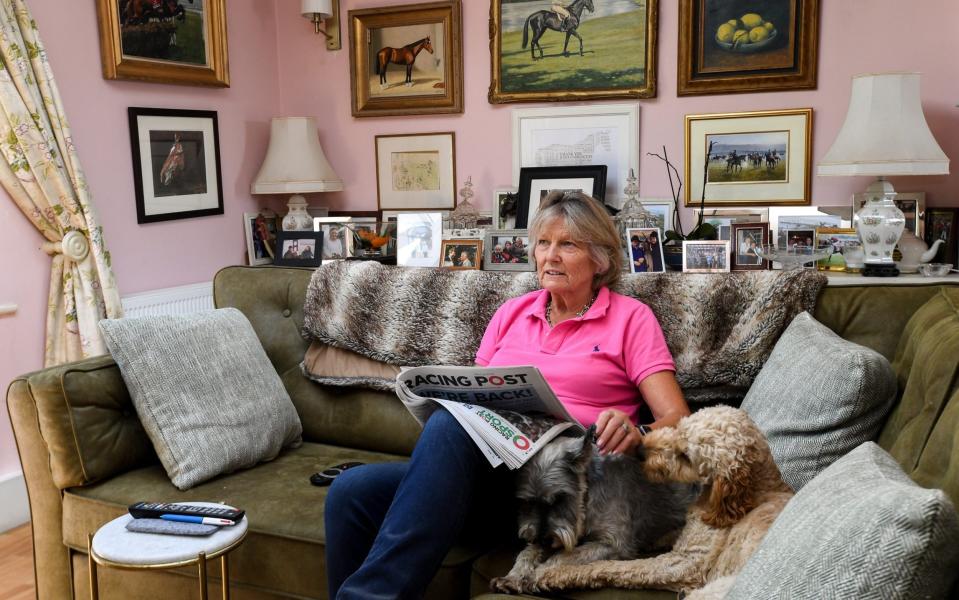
(615, 432)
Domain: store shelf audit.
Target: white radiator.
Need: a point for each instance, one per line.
(180, 300)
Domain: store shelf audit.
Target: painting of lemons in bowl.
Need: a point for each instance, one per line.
(749, 33)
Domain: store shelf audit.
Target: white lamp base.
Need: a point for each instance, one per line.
(880, 224)
(297, 219)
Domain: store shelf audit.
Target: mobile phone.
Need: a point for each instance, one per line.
(326, 476)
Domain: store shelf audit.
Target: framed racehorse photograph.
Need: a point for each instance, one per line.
(407, 59)
(176, 163)
(567, 50)
(164, 41)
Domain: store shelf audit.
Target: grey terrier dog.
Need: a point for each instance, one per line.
(577, 506)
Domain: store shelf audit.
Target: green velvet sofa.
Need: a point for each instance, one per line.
(86, 457)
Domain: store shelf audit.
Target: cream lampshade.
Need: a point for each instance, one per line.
(295, 164)
(884, 134)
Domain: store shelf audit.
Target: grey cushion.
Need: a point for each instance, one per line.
(861, 529)
(817, 397)
(204, 390)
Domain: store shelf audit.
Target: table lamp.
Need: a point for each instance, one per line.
(295, 164)
(885, 134)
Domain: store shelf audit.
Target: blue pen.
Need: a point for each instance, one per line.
(193, 519)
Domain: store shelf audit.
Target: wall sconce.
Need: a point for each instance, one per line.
(328, 13)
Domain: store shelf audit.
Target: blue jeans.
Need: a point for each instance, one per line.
(388, 526)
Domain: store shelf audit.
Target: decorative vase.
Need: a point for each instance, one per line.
(297, 219)
(879, 224)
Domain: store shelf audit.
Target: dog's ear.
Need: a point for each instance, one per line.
(590, 437)
(732, 494)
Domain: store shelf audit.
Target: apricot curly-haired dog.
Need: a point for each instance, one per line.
(743, 492)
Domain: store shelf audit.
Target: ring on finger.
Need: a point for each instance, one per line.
(626, 427)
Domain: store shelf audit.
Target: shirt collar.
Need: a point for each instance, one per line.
(596, 311)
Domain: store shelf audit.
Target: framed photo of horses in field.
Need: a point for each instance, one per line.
(750, 158)
(407, 59)
(567, 50)
(164, 41)
(176, 163)
(730, 46)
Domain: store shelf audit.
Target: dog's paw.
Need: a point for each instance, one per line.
(507, 585)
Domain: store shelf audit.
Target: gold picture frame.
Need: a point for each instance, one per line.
(749, 158)
(389, 44)
(605, 29)
(136, 45)
(784, 59)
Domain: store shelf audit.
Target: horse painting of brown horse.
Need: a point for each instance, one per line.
(401, 56)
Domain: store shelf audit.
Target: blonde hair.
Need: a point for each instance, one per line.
(587, 222)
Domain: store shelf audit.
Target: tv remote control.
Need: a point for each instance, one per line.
(153, 510)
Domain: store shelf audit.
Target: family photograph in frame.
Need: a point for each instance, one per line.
(606, 134)
(164, 41)
(337, 237)
(535, 183)
(416, 171)
(745, 239)
(507, 250)
(406, 59)
(723, 218)
(706, 256)
(176, 163)
(645, 250)
(572, 50)
(729, 46)
(298, 248)
(753, 158)
(461, 254)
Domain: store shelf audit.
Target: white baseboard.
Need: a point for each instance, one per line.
(13, 499)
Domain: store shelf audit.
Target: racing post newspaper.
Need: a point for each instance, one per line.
(510, 412)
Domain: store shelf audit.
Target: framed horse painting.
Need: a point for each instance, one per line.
(746, 46)
(572, 50)
(407, 59)
(164, 41)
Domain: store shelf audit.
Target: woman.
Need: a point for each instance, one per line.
(388, 526)
(639, 255)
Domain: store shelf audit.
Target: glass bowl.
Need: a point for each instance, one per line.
(935, 269)
(794, 257)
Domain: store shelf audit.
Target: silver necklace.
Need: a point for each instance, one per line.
(549, 309)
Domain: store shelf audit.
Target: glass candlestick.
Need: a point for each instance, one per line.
(465, 215)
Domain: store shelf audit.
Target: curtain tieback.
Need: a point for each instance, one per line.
(74, 246)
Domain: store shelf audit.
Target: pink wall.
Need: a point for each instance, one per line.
(278, 66)
(144, 256)
(858, 36)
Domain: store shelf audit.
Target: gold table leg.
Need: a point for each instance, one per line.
(201, 561)
(225, 573)
(94, 588)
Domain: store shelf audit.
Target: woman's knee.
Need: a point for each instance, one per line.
(364, 487)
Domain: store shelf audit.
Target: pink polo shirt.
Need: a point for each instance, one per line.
(593, 362)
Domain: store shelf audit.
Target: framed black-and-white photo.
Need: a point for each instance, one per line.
(535, 183)
(299, 248)
(706, 256)
(507, 250)
(419, 239)
(176, 163)
(645, 250)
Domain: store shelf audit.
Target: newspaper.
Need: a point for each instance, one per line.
(509, 412)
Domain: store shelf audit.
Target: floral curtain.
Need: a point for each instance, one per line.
(40, 170)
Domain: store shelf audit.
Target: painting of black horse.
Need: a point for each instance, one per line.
(542, 20)
(401, 56)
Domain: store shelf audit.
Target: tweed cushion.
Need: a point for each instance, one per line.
(205, 391)
(861, 529)
(818, 397)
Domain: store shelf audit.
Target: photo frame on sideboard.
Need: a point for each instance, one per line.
(536, 182)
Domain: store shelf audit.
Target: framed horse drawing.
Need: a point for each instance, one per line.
(407, 60)
(164, 41)
(569, 50)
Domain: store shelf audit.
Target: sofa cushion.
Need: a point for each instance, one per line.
(204, 390)
(817, 397)
(861, 529)
(284, 549)
(926, 365)
(336, 366)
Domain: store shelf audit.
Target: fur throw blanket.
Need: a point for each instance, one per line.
(719, 327)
